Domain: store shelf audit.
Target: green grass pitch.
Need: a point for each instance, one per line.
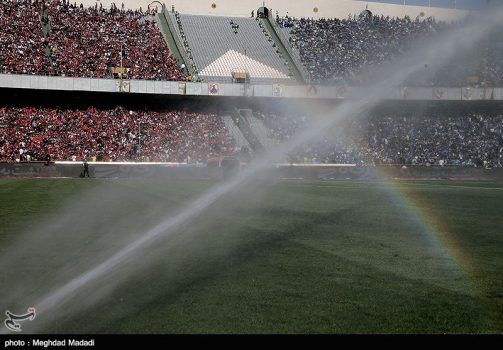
(285, 257)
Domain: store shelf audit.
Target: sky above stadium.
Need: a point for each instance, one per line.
(459, 4)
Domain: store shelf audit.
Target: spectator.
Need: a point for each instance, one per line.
(83, 42)
(111, 135)
(443, 140)
(333, 49)
(470, 139)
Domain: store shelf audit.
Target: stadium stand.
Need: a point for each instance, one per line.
(21, 40)
(335, 50)
(111, 135)
(64, 39)
(59, 38)
(83, 42)
(238, 137)
(221, 45)
(472, 139)
(469, 139)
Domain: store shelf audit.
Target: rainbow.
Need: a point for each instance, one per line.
(437, 234)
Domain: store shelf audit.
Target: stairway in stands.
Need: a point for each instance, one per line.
(45, 26)
(239, 140)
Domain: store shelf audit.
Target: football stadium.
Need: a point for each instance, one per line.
(251, 167)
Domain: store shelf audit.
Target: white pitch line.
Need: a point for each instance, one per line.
(462, 186)
(337, 183)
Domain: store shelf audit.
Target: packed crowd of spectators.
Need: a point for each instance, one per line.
(469, 140)
(83, 42)
(472, 139)
(21, 39)
(336, 50)
(28, 134)
(56, 37)
(333, 49)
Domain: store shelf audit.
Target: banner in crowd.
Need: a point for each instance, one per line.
(341, 91)
(466, 93)
(123, 86)
(182, 88)
(488, 94)
(277, 90)
(438, 93)
(404, 92)
(213, 88)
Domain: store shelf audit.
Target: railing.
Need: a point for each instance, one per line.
(293, 52)
(178, 43)
(338, 92)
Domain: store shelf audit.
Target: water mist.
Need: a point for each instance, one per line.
(106, 269)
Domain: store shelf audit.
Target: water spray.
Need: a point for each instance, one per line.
(359, 100)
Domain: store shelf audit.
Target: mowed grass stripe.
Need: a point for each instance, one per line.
(300, 257)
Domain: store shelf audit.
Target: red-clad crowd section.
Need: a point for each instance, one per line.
(63, 39)
(111, 135)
